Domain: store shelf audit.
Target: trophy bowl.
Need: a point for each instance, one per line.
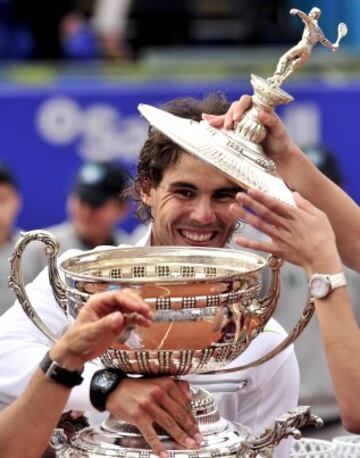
(206, 302)
(206, 311)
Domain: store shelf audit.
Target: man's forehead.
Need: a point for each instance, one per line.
(194, 171)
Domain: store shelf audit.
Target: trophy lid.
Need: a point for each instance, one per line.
(219, 149)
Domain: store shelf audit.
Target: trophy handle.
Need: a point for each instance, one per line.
(16, 280)
(269, 302)
(286, 425)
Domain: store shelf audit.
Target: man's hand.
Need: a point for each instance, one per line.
(277, 144)
(164, 401)
(301, 235)
(99, 323)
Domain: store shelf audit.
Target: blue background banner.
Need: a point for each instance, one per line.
(47, 132)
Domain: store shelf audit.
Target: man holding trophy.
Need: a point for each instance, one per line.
(188, 204)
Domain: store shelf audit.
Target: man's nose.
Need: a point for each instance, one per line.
(203, 212)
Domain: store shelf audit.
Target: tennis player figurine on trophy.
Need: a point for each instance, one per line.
(206, 300)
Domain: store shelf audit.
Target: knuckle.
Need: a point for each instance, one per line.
(182, 418)
(137, 415)
(169, 424)
(157, 393)
(145, 404)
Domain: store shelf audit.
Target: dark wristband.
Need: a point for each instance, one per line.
(59, 374)
(103, 383)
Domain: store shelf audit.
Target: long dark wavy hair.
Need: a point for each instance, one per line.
(159, 153)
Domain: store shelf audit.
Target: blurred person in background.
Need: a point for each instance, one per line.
(10, 206)
(95, 207)
(63, 29)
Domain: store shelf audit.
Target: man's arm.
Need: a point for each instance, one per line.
(303, 236)
(25, 426)
(22, 346)
(302, 175)
(328, 43)
(301, 14)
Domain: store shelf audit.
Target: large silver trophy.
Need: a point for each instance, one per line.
(206, 300)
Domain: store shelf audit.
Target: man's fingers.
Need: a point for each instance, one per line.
(273, 123)
(135, 319)
(183, 418)
(122, 300)
(168, 423)
(213, 120)
(268, 208)
(267, 247)
(145, 426)
(232, 116)
(304, 204)
(254, 220)
(240, 107)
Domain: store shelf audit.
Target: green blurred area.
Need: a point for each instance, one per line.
(178, 64)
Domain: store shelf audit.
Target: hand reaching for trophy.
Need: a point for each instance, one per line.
(100, 322)
(163, 401)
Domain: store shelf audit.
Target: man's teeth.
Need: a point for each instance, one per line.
(196, 237)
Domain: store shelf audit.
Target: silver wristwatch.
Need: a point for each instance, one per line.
(320, 285)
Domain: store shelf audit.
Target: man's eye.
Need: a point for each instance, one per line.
(184, 193)
(225, 196)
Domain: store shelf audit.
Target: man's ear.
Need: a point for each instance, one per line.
(147, 197)
(146, 193)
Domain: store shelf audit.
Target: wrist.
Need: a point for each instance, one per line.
(67, 358)
(287, 164)
(329, 264)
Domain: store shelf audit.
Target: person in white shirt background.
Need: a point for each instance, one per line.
(188, 203)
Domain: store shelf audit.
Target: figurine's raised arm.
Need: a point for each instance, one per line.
(301, 14)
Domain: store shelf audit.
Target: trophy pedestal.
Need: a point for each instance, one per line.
(120, 439)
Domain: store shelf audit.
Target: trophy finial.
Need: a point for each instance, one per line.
(298, 54)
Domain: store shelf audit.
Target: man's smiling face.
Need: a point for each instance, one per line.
(190, 206)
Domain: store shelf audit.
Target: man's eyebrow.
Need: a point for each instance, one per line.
(182, 184)
(231, 189)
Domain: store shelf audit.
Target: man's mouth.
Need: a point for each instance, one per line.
(197, 236)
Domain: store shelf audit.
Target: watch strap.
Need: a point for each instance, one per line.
(337, 280)
(103, 383)
(53, 370)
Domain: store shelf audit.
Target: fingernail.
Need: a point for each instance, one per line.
(163, 455)
(190, 442)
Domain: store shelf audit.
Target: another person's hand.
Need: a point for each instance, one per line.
(163, 401)
(301, 235)
(99, 323)
(277, 145)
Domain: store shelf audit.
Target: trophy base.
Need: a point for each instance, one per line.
(116, 438)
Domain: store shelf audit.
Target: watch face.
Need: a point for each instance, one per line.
(106, 379)
(319, 287)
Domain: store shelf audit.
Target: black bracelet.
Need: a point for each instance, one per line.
(60, 374)
(103, 383)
